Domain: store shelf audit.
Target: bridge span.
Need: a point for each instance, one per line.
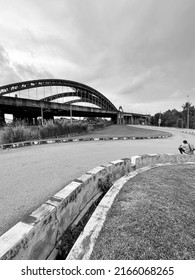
(47, 98)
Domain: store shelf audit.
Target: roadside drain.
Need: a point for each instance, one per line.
(72, 233)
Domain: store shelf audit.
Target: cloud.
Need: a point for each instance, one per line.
(7, 71)
(136, 83)
(176, 94)
(133, 51)
(28, 72)
(15, 72)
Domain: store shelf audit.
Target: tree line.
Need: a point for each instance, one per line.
(175, 118)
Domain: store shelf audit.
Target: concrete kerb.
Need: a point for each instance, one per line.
(67, 140)
(83, 247)
(38, 234)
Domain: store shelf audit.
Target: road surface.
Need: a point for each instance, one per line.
(30, 175)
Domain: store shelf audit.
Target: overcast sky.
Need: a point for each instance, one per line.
(138, 53)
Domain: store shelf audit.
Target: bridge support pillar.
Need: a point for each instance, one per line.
(35, 122)
(114, 119)
(2, 118)
(129, 120)
(15, 118)
(30, 121)
(23, 119)
(120, 118)
(136, 120)
(48, 117)
(19, 118)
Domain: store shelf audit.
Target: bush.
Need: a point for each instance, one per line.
(7, 135)
(49, 130)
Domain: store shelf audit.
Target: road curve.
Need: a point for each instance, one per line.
(30, 175)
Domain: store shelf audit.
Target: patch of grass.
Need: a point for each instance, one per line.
(126, 131)
(153, 217)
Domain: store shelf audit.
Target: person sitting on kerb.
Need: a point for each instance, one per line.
(186, 148)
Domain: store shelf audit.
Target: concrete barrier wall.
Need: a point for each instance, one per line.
(149, 159)
(37, 235)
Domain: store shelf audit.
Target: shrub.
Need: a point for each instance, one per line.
(49, 130)
(7, 135)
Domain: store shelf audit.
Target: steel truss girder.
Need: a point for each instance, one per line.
(82, 100)
(83, 97)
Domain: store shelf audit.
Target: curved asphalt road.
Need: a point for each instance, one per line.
(30, 175)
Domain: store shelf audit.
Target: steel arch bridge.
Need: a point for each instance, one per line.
(29, 109)
(82, 91)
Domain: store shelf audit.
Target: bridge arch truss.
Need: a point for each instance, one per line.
(83, 92)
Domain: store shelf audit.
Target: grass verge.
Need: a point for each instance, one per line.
(125, 131)
(153, 217)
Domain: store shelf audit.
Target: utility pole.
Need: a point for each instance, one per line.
(70, 113)
(188, 113)
(159, 120)
(41, 115)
